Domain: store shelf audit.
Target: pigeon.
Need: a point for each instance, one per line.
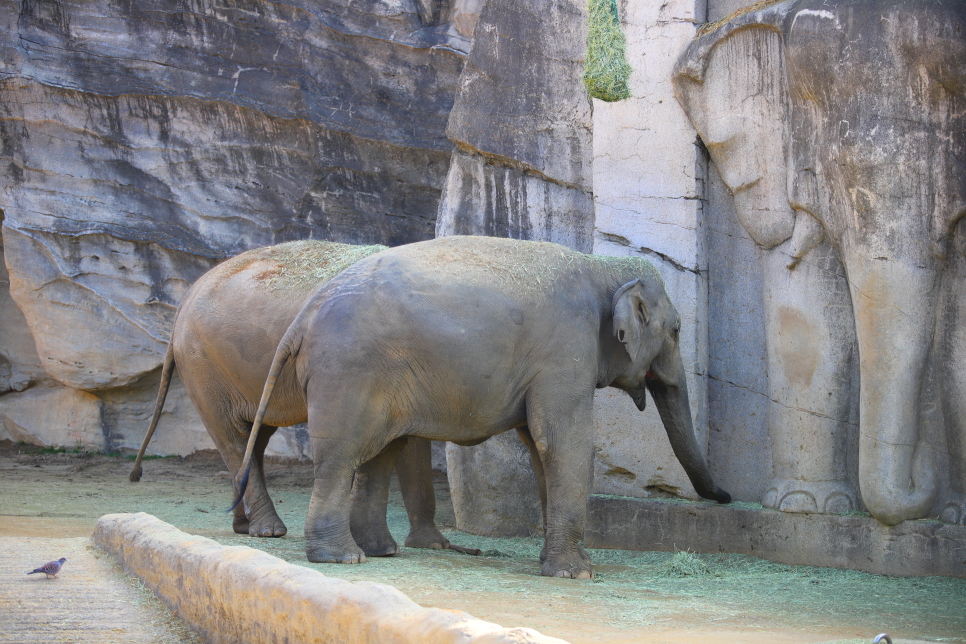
(51, 568)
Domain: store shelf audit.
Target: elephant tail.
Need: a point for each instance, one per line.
(166, 372)
(282, 355)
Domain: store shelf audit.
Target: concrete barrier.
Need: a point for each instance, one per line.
(236, 594)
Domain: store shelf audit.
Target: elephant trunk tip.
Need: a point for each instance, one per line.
(721, 496)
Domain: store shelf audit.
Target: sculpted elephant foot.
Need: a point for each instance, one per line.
(955, 511)
(825, 497)
(571, 567)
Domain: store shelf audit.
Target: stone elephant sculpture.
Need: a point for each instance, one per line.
(840, 128)
(462, 338)
(226, 331)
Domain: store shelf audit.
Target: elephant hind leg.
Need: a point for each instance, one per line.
(256, 515)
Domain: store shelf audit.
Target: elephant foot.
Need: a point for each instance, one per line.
(272, 529)
(580, 551)
(240, 525)
(796, 496)
(334, 554)
(955, 511)
(426, 537)
(430, 537)
(384, 546)
(570, 567)
(270, 526)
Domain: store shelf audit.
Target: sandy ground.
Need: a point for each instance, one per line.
(90, 600)
(50, 501)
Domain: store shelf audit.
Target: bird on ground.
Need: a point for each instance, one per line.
(51, 568)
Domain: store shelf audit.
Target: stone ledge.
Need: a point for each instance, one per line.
(239, 594)
(913, 548)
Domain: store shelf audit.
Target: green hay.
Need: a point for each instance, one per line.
(685, 564)
(606, 70)
(303, 265)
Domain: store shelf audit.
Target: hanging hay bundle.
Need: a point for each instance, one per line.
(606, 70)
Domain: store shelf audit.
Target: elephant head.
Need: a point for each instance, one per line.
(856, 111)
(648, 327)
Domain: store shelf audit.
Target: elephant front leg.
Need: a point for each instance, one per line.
(564, 444)
(541, 477)
(810, 341)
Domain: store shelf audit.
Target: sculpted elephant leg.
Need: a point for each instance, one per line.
(952, 357)
(565, 450)
(895, 312)
(810, 335)
(370, 496)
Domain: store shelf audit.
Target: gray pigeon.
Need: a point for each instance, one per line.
(51, 568)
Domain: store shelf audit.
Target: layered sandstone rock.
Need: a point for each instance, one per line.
(144, 142)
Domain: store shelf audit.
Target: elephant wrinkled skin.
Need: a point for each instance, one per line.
(845, 121)
(462, 338)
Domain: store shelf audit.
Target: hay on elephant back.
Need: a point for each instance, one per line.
(303, 265)
(606, 70)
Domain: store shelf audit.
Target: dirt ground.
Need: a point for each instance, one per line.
(640, 597)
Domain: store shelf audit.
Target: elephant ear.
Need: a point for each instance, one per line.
(631, 317)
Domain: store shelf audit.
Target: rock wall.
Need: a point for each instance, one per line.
(143, 142)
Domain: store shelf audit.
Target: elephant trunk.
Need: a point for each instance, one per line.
(895, 306)
(675, 410)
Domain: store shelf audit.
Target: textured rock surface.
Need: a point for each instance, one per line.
(522, 124)
(522, 169)
(143, 142)
(235, 593)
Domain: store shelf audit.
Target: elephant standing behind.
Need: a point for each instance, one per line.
(844, 121)
(227, 328)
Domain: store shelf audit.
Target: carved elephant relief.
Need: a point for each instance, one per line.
(840, 128)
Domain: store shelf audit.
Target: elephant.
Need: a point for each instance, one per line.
(461, 338)
(226, 330)
(840, 128)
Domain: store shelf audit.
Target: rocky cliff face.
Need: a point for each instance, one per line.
(140, 143)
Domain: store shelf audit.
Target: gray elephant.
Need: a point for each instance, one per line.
(845, 121)
(227, 328)
(462, 338)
